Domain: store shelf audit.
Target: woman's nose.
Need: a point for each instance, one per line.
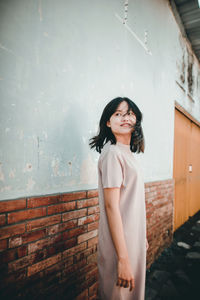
(125, 116)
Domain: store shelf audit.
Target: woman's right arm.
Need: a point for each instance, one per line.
(111, 200)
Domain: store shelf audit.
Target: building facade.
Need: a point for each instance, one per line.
(61, 62)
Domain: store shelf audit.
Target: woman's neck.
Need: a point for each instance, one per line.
(123, 140)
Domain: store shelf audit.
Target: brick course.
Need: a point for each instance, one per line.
(48, 244)
(159, 197)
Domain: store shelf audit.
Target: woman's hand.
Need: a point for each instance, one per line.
(147, 245)
(125, 275)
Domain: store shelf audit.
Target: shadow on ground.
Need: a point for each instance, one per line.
(176, 273)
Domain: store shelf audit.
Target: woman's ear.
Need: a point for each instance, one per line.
(108, 123)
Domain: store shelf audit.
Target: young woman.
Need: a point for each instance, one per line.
(122, 225)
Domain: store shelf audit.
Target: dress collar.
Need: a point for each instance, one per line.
(124, 146)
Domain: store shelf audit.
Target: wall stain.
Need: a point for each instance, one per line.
(1, 173)
(70, 168)
(55, 167)
(40, 10)
(5, 188)
(88, 172)
(182, 75)
(30, 184)
(12, 173)
(38, 152)
(21, 134)
(28, 168)
(190, 78)
(7, 129)
(198, 80)
(7, 50)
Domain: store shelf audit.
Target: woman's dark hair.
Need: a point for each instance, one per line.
(105, 134)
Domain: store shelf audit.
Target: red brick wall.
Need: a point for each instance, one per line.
(159, 197)
(49, 244)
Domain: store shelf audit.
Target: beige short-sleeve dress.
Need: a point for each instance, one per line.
(117, 167)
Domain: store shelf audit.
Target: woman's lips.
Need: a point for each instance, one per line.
(126, 125)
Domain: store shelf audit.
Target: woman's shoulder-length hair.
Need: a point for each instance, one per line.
(105, 134)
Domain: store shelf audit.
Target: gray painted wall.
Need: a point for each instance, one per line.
(61, 62)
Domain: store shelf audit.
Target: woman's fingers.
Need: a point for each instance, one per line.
(132, 284)
(125, 283)
(119, 282)
(122, 283)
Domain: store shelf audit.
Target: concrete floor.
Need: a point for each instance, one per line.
(176, 273)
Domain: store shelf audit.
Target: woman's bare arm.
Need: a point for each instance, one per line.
(111, 199)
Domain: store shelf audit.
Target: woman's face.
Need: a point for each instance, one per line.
(122, 121)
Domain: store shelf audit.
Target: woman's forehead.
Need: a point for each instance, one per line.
(123, 106)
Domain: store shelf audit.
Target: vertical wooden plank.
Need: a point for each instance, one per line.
(182, 137)
(195, 174)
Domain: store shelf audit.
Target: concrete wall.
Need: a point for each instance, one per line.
(61, 62)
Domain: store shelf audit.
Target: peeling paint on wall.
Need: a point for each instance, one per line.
(5, 188)
(88, 172)
(1, 173)
(72, 182)
(21, 134)
(70, 168)
(7, 130)
(55, 167)
(182, 73)
(198, 80)
(187, 73)
(72, 164)
(30, 184)
(12, 173)
(84, 139)
(190, 78)
(181, 64)
(38, 151)
(45, 134)
(6, 49)
(40, 10)
(28, 168)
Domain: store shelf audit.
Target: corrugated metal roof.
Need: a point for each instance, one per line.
(189, 12)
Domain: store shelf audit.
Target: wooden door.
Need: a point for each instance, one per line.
(186, 171)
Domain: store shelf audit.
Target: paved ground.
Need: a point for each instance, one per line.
(175, 275)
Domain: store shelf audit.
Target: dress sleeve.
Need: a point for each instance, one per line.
(111, 170)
